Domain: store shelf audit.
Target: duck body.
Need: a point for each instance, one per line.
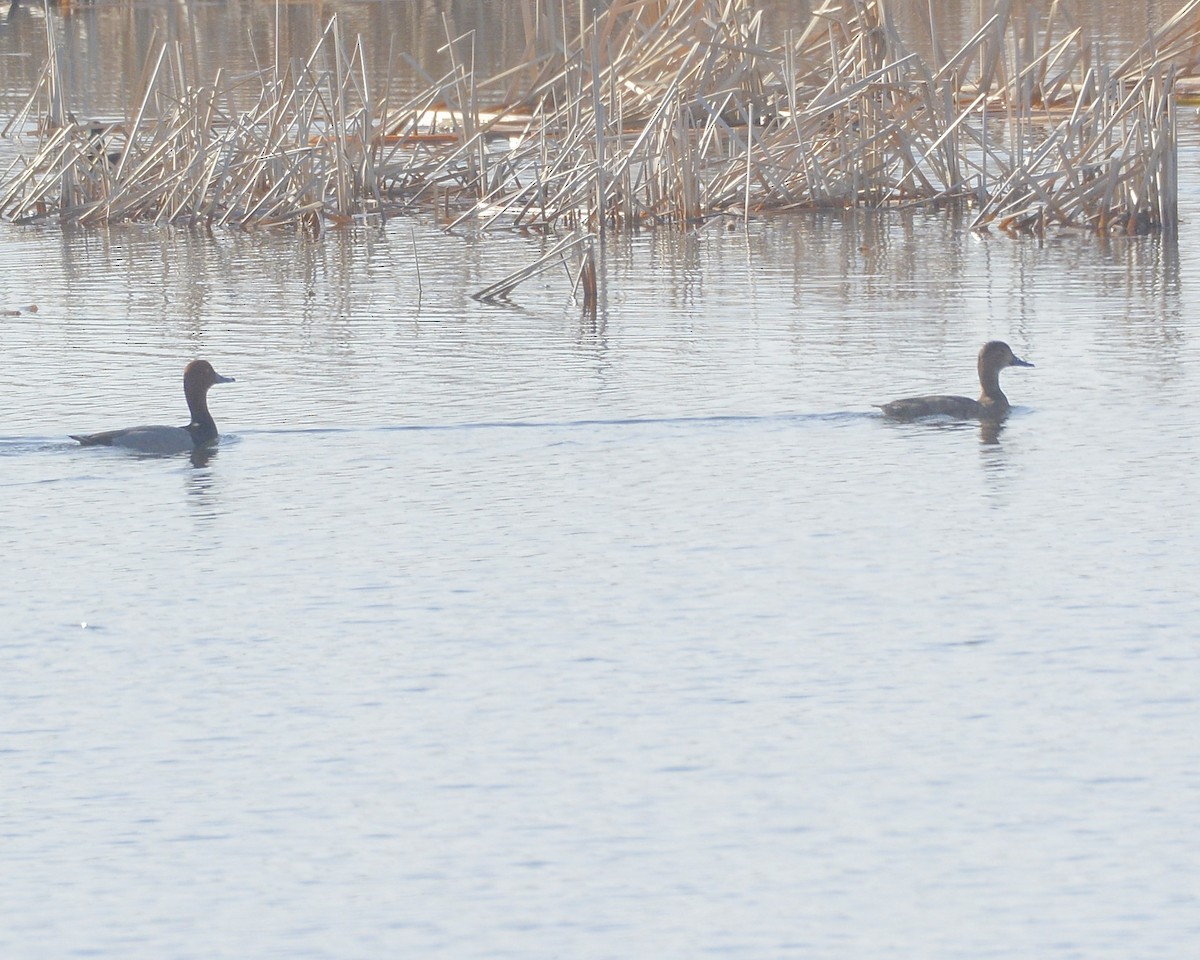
(198, 376)
(155, 438)
(991, 405)
(958, 408)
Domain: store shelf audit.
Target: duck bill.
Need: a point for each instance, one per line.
(217, 378)
(1018, 362)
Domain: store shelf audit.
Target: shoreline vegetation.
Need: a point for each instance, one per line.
(657, 113)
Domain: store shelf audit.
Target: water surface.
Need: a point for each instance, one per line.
(494, 631)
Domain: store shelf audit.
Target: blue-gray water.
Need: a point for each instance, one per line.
(487, 633)
(492, 632)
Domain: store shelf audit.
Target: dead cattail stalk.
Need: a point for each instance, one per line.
(554, 257)
(661, 113)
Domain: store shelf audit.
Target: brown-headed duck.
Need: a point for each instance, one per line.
(198, 376)
(991, 405)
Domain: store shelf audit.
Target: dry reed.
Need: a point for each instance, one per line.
(658, 112)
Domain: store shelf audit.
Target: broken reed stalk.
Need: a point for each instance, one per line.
(588, 283)
(654, 112)
(555, 256)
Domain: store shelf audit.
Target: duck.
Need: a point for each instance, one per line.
(198, 376)
(992, 404)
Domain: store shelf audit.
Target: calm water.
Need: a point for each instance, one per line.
(491, 632)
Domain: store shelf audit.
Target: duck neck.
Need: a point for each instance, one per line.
(202, 428)
(989, 382)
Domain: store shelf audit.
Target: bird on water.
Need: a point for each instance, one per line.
(198, 376)
(991, 405)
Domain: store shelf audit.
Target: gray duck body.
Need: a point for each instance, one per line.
(198, 376)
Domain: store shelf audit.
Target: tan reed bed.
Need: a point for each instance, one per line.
(303, 150)
(677, 117)
(659, 113)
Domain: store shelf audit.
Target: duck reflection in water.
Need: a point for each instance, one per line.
(201, 456)
(203, 491)
(989, 431)
(990, 409)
